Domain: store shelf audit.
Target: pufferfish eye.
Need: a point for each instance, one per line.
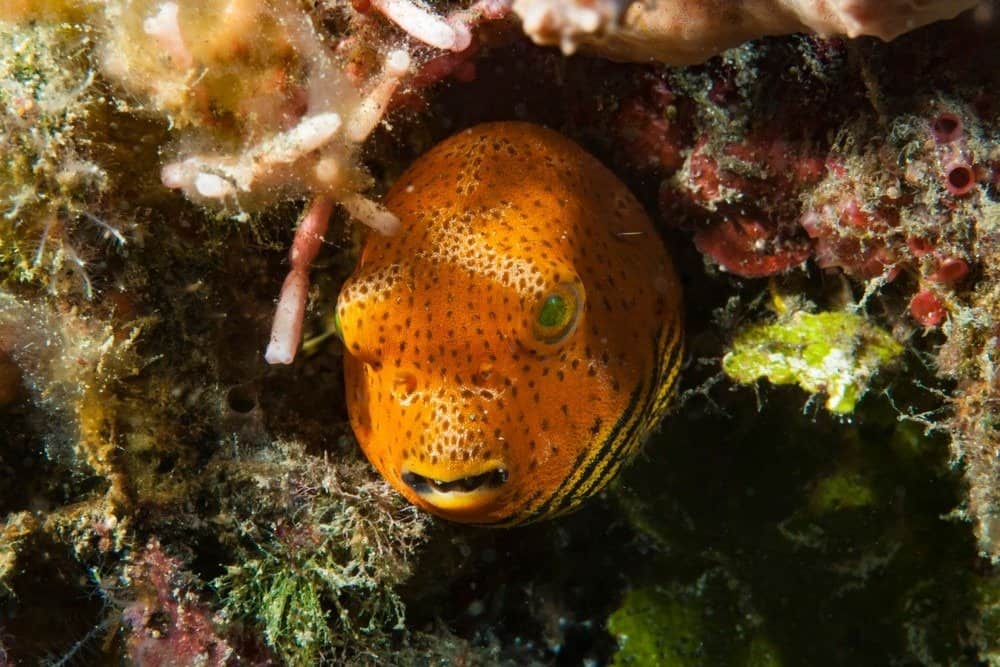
(556, 314)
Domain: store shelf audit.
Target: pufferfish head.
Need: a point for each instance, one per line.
(509, 348)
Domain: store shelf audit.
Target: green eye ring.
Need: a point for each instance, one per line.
(556, 314)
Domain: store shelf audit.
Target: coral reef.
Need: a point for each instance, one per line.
(898, 194)
(113, 400)
(655, 626)
(681, 33)
(168, 623)
(171, 498)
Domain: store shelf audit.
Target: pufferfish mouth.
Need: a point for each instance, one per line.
(458, 493)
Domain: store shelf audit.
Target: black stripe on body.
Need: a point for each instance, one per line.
(596, 478)
(652, 420)
(643, 412)
(620, 446)
(547, 507)
(645, 418)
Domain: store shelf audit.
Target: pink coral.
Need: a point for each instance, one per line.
(849, 237)
(781, 194)
(764, 165)
(170, 625)
(959, 178)
(946, 127)
(950, 270)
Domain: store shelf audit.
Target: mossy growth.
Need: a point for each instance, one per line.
(989, 629)
(45, 182)
(323, 547)
(35, 568)
(844, 489)
(833, 352)
(49, 10)
(763, 653)
(70, 149)
(12, 533)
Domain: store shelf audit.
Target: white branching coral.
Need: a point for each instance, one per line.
(451, 33)
(568, 23)
(288, 136)
(286, 330)
(682, 32)
(424, 25)
(268, 105)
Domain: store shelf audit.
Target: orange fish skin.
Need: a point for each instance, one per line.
(510, 348)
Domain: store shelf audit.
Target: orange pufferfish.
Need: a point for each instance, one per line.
(510, 348)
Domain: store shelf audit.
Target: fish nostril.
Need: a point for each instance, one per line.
(490, 479)
(482, 376)
(404, 385)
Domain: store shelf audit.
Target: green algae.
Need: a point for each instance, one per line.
(78, 167)
(687, 626)
(763, 653)
(846, 489)
(836, 353)
(653, 626)
(286, 600)
(989, 628)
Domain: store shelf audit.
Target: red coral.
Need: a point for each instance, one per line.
(919, 246)
(946, 127)
(648, 126)
(950, 271)
(763, 167)
(959, 178)
(750, 190)
(927, 308)
(750, 248)
(849, 238)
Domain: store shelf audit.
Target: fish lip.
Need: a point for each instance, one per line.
(459, 493)
(490, 477)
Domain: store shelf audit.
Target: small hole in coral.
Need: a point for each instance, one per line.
(960, 179)
(241, 399)
(167, 463)
(946, 127)
(10, 380)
